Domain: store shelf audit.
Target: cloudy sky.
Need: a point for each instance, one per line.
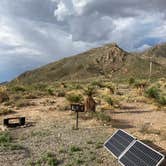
(36, 32)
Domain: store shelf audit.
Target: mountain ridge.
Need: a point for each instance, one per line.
(109, 61)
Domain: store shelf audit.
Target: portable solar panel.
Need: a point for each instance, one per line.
(118, 142)
(140, 154)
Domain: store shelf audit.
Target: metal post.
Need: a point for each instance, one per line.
(76, 120)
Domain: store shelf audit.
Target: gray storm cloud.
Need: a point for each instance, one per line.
(36, 32)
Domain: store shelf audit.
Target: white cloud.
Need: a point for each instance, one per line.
(62, 11)
(36, 32)
(79, 5)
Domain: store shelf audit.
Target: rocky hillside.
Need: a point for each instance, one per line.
(109, 61)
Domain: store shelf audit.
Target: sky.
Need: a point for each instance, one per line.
(37, 32)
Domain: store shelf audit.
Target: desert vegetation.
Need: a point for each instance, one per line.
(109, 106)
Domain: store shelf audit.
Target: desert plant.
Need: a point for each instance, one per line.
(103, 117)
(141, 84)
(153, 92)
(6, 142)
(109, 100)
(47, 158)
(50, 91)
(5, 111)
(3, 97)
(75, 149)
(18, 88)
(131, 81)
(162, 100)
(5, 138)
(60, 93)
(74, 98)
(97, 84)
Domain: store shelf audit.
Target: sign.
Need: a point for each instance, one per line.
(78, 107)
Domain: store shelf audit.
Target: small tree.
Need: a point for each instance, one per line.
(90, 104)
(74, 98)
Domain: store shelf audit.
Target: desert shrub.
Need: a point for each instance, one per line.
(75, 149)
(74, 86)
(6, 142)
(5, 138)
(3, 97)
(145, 128)
(50, 91)
(103, 117)
(89, 91)
(5, 111)
(162, 100)
(60, 93)
(153, 92)
(131, 81)
(97, 84)
(109, 100)
(140, 84)
(18, 88)
(40, 86)
(74, 98)
(48, 158)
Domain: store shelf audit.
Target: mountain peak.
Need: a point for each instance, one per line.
(114, 44)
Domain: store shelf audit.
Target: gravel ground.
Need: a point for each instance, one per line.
(50, 130)
(53, 132)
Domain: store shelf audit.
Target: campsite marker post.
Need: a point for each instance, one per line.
(77, 108)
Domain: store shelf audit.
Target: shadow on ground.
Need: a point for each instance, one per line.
(121, 124)
(131, 112)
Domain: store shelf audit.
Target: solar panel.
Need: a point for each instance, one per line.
(140, 154)
(118, 142)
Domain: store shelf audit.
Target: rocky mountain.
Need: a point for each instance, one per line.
(109, 61)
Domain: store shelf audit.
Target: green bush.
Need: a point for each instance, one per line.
(131, 81)
(109, 100)
(40, 86)
(6, 142)
(18, 89)
(5, 111)
(153, 92)
(162, 100)
(47, 158)
(50, 91)
(5, 138)
(50, 159)
(75, 149)
(90, 91)
(97, 83)
(74, 98)
(103, 117)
